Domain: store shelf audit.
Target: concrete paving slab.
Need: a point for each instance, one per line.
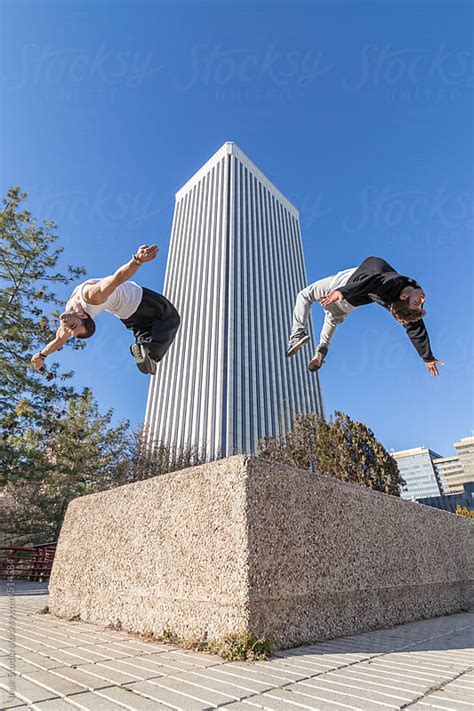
(54, 682)
(130, 667)
(142, 669)
(21, 667)
(249, 679)
(87, 681)
(184, 690)
(7, 702)
(57, 705)
(209, 679)
(106, 675)
(123, 697)
(30, 692)
(92, 701)
(340, 685)
(246, 706)
(39, 661)
(284, 700)
(174, 696)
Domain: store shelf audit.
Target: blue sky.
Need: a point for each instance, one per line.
(359, 112)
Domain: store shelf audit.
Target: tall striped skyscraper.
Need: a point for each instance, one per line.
(234, 268)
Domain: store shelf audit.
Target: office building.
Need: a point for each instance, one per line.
(465, 451)
(234, 268)
(451, 474)
(416, 467)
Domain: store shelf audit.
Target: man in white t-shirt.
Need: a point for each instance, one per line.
(152, 318)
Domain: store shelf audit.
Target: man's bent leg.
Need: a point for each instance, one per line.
(332, 318)
(163, 332)
(154, 325)
(305, 299)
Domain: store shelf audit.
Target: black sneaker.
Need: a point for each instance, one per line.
(296, 344)
(144, 363)
(317, 360)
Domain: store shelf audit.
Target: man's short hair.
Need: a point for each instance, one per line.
(89, 324)
(404, 314)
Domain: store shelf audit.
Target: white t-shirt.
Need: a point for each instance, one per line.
(122, 303)
(341, 279)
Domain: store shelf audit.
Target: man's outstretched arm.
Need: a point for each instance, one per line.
(99, 292)
(418, 335)
(61, 337)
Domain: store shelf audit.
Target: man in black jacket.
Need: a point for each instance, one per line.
(373, 281)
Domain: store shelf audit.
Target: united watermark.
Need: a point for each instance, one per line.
(437, 216)
(77, 74)
(241, 75)
(11, 654)
(413, 74)
(106, 205)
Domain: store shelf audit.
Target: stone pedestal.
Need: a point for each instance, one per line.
(246, 545)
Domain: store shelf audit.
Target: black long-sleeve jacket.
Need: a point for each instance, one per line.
(376, 281)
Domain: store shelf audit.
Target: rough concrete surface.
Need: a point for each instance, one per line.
(247, 545)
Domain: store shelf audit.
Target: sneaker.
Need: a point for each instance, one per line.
(296, 344)
(144, 363)
(317, 360)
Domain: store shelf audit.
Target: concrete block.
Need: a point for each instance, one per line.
(243, 544)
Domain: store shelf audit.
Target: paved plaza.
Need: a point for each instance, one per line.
(60, 665)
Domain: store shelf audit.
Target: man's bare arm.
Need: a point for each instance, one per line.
(100, 292)
(61, 337)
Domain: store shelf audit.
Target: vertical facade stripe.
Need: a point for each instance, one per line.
(280, 317)
(246, 315)
(294, 279)
(226, 421)
(201, 331)
(188, 285)
(285, 277)
(266, 424)
(152, 400)
(217, 391)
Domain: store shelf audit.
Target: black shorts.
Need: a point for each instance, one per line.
(154, 323)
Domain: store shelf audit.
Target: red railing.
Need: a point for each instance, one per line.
(32, 563)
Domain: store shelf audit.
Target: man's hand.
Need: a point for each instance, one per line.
(38, 361)
(330, 298)
(432, 368)
(145, 253)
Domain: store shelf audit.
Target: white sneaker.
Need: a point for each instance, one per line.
(296, 344)
(317, 361)
(145, 364)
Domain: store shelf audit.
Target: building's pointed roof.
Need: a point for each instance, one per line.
(231, 148)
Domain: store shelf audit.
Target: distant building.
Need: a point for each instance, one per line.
(450, 502)
(433, 480)
(416, 467)
(465, 451)
(451, 474)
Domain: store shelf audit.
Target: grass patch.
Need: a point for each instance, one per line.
(233, 647)
(115, 625)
